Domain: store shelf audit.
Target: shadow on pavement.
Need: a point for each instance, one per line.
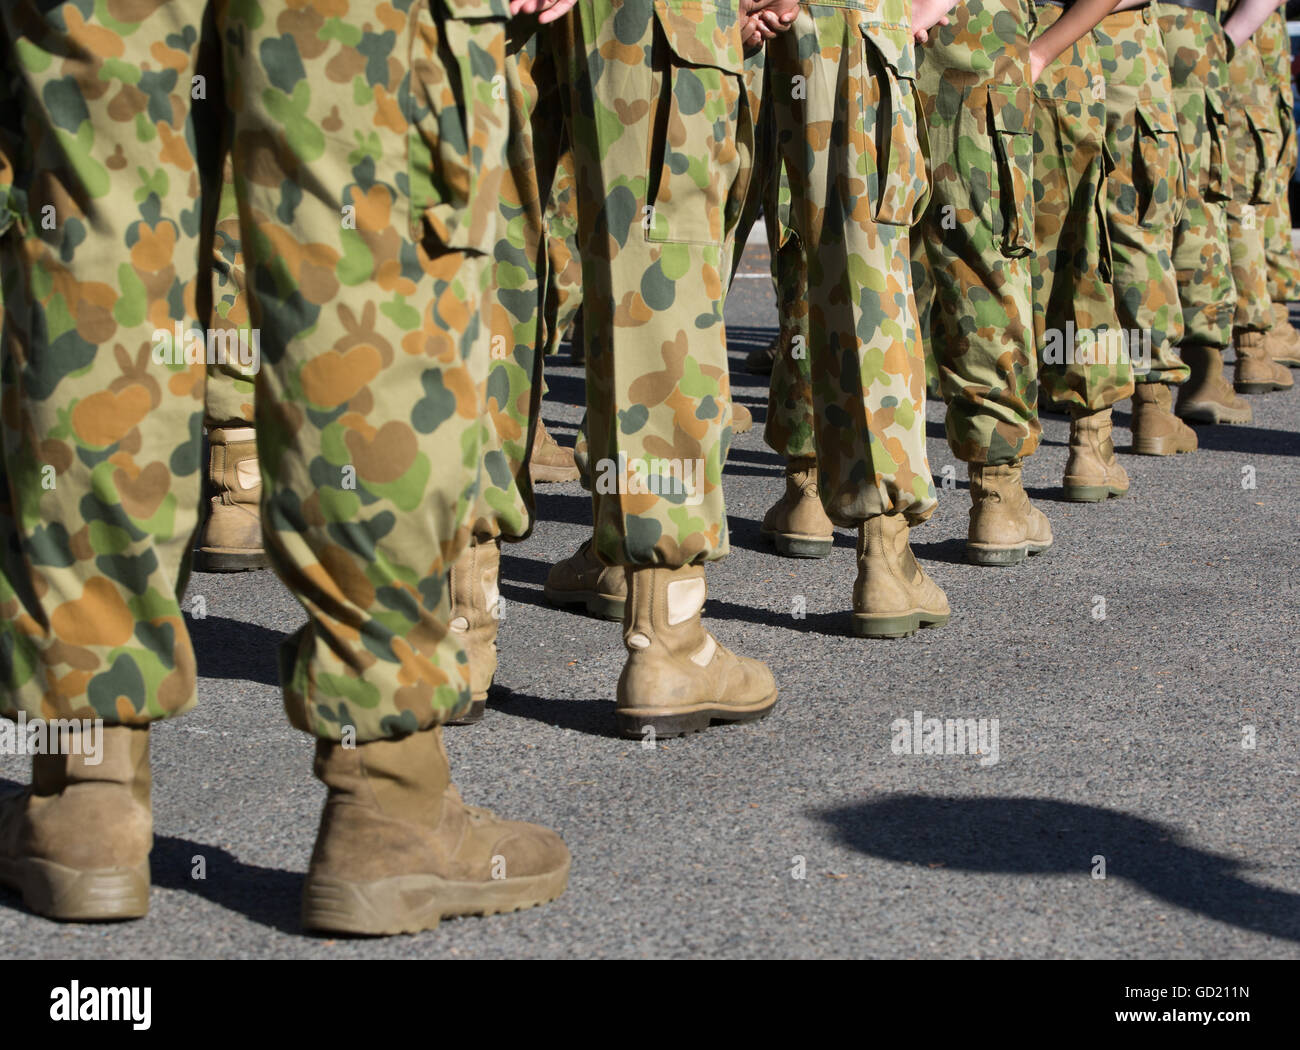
(1031, 836)
(216, 638)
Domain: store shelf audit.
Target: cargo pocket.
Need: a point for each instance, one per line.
(1010, 110)
(1157, 167)
(1216, 183)
(1260, 161)
(457, 134)
(891, 128)
(701, 144)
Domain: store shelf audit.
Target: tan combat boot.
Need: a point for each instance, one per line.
(550, 461)
(1207, 397)
(762, 359)
(1092, 473)
(892, 596)
(742, 420)
(583, 579)
(677, 678)
(76, 843)
(398, 850)
(1156, 430)
(475, 616)
(1256, 372)
(1004, 526)
(797, 523)
(231, 539)
(1282, 340)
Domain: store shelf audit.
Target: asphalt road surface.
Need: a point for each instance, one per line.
(1127, 669)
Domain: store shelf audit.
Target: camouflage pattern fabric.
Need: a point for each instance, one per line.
(228, 397)
(978, 232)
(1198, 59)
(848, 386)
(1074, 307)
(1274, 46)
(1146, 190)
(663, 140)
(368, 165)
(1254, 142)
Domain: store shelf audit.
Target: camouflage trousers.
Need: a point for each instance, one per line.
(663, 141)
(1145, 195)
(1274, 46)
(367, 171)
(1075, 328)
(977, 235)
(849, 384)
(228, 395)
(1198, 58)
(1254, 144)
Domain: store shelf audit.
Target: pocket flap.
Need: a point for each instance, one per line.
(894, 46)
(702, 34)
(1158, 119)
(1011, 107)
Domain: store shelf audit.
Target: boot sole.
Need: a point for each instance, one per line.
(71, 895)
(215, 559)
(1092, 493)
(1257, 388)
(472, 715)
(980, 554)
(411, 903)
(668, 722)
(553, 475)
(601, 606)
(1209, 412)
(900, 625)
(1165, 446)
(794, 545)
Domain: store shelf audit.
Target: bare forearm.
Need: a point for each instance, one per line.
(1248, 16)
(1079, 19)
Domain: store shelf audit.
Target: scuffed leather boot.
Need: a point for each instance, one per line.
(892, 596)
(1092, 473)
(398, 850)
(475, 617)
(797, 523)
(761, 359)
(550, 461)
(1207, 397)
(76, 843)
(742, 420)
(1282, 340)
(677, 678)
(231, 539)
(1156, 430)
(583, 579)
(1256, 372)
(1005, 527)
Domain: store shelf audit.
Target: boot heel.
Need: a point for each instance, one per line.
(604, 608)
(1254, 388)
(405, 904)
(1089, 493)
(1161, 446)
(996, 555)
(904, 626)
(800, 546)
(64, 893)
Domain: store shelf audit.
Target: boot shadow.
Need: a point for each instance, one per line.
(1037, 836)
